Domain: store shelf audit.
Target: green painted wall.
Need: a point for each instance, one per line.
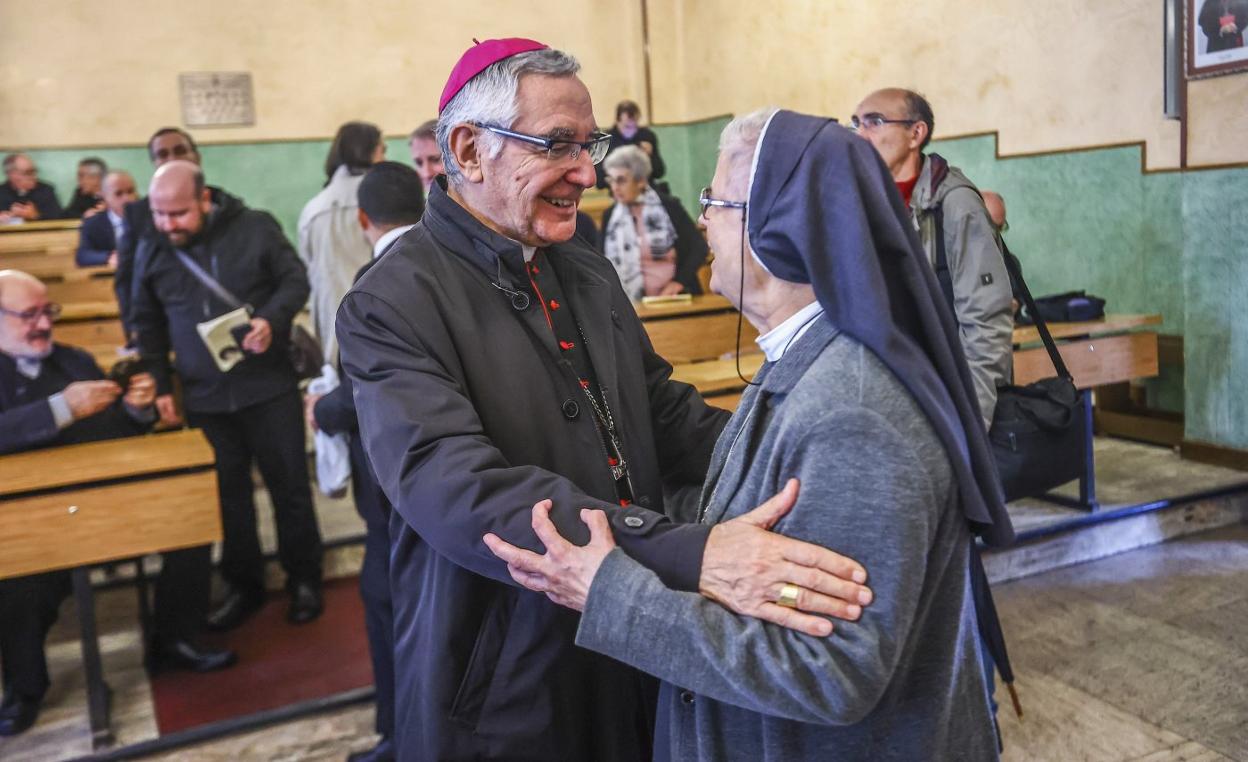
(690, 150)
(279, 177)
(1215, 292)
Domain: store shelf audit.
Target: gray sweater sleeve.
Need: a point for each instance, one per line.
(865, 494)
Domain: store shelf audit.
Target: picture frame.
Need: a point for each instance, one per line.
(1215, 37)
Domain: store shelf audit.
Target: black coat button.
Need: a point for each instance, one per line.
(686, 698)
(570, 409)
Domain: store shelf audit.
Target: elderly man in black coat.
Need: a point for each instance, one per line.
(51, 395)
(496, 360)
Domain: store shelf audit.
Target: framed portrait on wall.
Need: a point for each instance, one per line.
(1215, 39)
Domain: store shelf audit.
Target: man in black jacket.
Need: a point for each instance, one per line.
(252, 411)
(391, 202)
(52, 395)
(23, 195)
(496, 360)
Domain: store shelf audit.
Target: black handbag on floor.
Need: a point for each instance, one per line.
(1037, 432)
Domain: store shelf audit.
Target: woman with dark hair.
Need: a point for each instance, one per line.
(628, 132)
(330, 241)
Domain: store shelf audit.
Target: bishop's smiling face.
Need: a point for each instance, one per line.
(529, 196)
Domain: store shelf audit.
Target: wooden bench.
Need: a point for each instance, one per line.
(595, 203)
(100, 338)
(77, 506)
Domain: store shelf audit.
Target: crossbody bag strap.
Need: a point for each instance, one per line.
(210, 282)
(1015, 272)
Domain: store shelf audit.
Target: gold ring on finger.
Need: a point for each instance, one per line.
(788, 595)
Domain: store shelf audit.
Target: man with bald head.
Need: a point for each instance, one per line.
(956, 232)
(209, 255)
(52, 395)
(101, 235)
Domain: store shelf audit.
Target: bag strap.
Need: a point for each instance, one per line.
(210, 282)
(1016, 273)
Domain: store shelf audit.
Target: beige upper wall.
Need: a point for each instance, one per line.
(88, 73)
(1217, 131)
(1048, 75)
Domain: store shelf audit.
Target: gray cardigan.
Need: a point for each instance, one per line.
(902, 683)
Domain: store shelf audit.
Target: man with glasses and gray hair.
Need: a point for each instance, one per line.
(52, 395)
(957, 234)
(497, 361)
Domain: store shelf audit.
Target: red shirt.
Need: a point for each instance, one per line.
(907, 188)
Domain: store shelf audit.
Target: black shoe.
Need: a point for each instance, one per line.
(18, 715)
(382, 752)
(305, 603)
(237, 608)
(183, 654)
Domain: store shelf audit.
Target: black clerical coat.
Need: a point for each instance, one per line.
(470, 416)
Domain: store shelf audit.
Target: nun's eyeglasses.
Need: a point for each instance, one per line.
(873, 121)
(558, 149)
(706, 201)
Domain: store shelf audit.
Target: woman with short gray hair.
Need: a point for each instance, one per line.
(650, 239)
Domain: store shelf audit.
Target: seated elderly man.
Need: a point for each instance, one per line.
(23, 196)
(52, 394)
(865, 398)
(648, 237)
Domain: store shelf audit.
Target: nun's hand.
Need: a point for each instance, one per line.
(566, 572)
(746, 567)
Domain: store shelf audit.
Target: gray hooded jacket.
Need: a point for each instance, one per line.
(981, 285)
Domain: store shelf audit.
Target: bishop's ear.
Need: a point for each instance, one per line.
(465, 145)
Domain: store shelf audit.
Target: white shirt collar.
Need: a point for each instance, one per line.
(529, 252)
(30, 367)
(115, 218)
(388, 237)
(777, 341)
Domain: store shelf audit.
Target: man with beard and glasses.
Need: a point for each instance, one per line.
(496, 360)
(51, 395)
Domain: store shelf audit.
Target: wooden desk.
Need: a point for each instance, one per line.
(72, 311)
(41, 237)
(704, 328)
(595, 203)
(88, 289)
(76, 506)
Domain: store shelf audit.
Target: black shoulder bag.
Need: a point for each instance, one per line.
(302, 348)
(1037, 432)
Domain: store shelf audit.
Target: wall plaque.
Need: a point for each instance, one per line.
(217, 99)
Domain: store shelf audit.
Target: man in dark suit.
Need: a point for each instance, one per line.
(100, 236)
(22, 195)
(391, 202)
(50, 395)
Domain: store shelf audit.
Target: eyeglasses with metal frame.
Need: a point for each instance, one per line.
(874, 120)
(558, 149)
(51, 310)
(706, 201)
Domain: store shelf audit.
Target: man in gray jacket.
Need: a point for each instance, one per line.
(957, 234)
(865, 399)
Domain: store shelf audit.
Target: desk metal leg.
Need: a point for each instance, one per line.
(99, 695)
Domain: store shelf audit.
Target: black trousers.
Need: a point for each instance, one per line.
(271, 434)
(374, 508)
(28, 609)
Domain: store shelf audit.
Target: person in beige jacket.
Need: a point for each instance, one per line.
(330, 242)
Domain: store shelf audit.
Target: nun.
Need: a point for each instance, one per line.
(865, 408)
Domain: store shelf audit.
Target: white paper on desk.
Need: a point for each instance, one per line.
(220, 342)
